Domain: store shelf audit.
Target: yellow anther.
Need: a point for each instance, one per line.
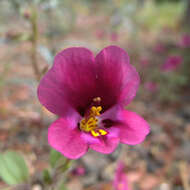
(102, 132)
(90, 123)
(95, 111)
(99, 132)
(99, 109)
(94, 133)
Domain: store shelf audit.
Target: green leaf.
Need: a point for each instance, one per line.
(13, 169)
(54, 157)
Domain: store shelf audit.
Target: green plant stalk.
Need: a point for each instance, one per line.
(34, 40)
(58, 172)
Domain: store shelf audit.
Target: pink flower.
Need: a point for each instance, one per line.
(120, 180)
(151, 86)
(89, 95)
(185, 41)
(172, 63)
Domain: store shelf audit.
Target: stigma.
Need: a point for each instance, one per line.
(90, 123)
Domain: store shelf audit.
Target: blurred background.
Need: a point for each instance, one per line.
(156, 35)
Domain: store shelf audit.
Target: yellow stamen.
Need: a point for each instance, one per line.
(94, 133)
(102, 132)
(95, 111)
(90, 123)
(99, 132)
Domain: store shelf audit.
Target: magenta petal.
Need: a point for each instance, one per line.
(134, 128)
(66, 139)
(117, 80)
(89, 139)
(69, 83)
(106, 144)
(51, 96)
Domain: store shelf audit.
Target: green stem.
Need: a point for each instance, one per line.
(34, 40)
(58, 173)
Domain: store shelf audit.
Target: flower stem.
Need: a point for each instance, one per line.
(34, 41)
(58, 173)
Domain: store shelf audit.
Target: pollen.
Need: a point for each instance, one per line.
(95, 111)
(94, 133)
(90, 123)
(98, 132)
(102, 132)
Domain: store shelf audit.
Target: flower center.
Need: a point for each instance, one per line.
(89, 124)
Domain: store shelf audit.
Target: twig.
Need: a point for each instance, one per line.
(34, 40)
